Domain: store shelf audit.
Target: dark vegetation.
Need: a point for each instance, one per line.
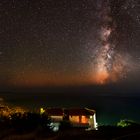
(23, 124)
(29, 122)
(33, 126)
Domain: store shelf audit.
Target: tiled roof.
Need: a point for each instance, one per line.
(54, 111)
(69, 111)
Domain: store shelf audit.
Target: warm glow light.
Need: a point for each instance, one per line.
(101, 77)
(84, 119)
(37, 79)
(74, 119)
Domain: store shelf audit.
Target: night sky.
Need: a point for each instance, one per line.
(70, 43)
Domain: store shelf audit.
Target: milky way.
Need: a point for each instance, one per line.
(69, 42)
(110, 66)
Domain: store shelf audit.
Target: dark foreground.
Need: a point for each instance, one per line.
(32, 126)
(73, 134)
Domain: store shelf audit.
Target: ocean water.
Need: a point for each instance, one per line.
(109, 109)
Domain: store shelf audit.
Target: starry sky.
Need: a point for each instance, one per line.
(70, 43)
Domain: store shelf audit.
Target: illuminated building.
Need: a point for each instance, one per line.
(78, 117)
